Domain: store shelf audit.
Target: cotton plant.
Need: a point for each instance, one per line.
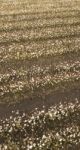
(57, 128)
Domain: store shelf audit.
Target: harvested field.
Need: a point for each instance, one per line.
(39, 53)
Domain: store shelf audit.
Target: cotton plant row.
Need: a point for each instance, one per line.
(23, 50)
(37, 54)
(18, 7)
(35, 83)
(9, 22)
(39, 32)
(12, 48)
(39, 69)
(35, 50)
(57, 128)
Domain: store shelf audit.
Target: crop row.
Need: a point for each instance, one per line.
(56, 128)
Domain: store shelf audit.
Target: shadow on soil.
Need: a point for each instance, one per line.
(28, 105)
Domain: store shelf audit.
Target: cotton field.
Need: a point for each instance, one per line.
(39, 74)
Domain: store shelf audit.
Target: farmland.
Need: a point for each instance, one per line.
(39, 55)
(39, 49)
